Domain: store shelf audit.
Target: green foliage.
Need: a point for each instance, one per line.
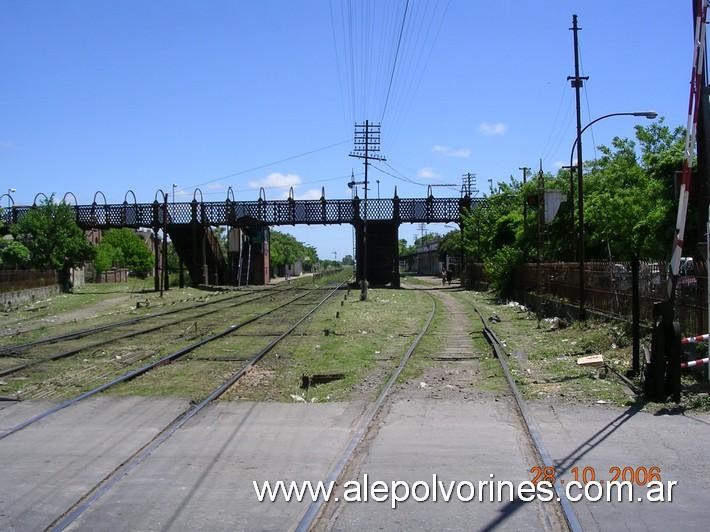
(500, 267)
(404, 249)
(424, 240)
(14, 254)
(52, 237)
(450, 243)
(629, 208)
(107, 257)
(285, 249)
(123, 248)
(348, 260)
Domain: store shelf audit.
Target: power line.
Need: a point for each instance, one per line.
(400, 177)
(272, 163)
(272, 187)
(396, 55)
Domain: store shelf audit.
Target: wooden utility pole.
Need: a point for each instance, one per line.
(577, 84)
(525, 171)
(540, 238)
(366, 146)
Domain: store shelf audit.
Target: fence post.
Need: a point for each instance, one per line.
(635, 316)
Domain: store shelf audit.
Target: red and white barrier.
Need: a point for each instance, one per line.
(699, 362)
(695, 339)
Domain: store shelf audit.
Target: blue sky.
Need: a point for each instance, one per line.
(139, 95)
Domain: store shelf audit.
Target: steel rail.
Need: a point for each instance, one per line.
(71, 515)
(314, 509)
(14, 348)
(74, 351)
(144, 369)
(530, 427)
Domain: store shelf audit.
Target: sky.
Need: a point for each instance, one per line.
(117, 95)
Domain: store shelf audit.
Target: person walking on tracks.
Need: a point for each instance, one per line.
(449, 275)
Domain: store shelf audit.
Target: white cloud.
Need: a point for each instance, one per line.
(277, 180)
(495, 128)
(310, 194)
(428, 173)
(447, 151)
(215, 186)
(559, 164)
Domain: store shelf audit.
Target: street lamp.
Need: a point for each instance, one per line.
(580, 196)
(378, 189)
(9, 197)
(174, 187)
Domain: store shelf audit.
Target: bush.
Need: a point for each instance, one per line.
(500, 268)
(122, 248)
(14, 254)
(107, 257)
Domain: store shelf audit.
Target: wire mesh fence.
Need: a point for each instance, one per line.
(608, 286)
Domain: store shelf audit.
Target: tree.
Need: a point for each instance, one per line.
(348, 260)
(14, 254)
(54, 240)
(107, 257)
(285, 250)
(123, 248)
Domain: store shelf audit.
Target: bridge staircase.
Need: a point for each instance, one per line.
(199, 250)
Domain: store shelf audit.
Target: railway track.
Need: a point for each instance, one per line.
(180, 354)
(531, 430)
(41, 353)
(319, 514)
(190, 315)
(362, 433)
(72, 514)
(15, 349)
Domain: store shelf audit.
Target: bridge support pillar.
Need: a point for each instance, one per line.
(249, 255)
(382, 252)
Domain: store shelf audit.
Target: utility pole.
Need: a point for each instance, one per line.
(422, 228)
(490, 185)
(577, 84)
(525, 171)
(570, 197)
(468, 186)
(540, 238)
(366, 146)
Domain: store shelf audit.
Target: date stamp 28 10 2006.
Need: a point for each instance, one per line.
(621, 481)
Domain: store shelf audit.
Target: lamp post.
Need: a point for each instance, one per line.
(174, 187)
(378, 189)
(9, 191)
(580, 196)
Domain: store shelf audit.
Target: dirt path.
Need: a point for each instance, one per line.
(451, 358)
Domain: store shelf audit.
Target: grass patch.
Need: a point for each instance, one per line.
(543, 360)
(364, 343)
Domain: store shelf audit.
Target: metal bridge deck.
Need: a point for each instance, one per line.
(275, 212)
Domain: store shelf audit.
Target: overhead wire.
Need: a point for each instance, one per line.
(556, 122)
(589, 112)
(274, 187)
(272, 163)
(337, 63)
(418, 71)
(396, 56)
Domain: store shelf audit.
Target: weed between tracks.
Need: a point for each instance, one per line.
(363, 344)
(544, 360)
(472, 371)
(92, 305)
